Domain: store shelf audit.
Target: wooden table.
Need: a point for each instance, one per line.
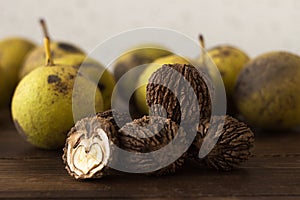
(273, 173)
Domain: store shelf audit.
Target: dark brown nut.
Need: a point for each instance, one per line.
(167, 87)
(150, 134)
(92, 145)
(89, 145)
(233, 145)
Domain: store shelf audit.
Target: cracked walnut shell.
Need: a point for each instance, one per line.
(89, 145)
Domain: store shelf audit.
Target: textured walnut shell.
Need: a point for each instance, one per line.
(152, 136)
(144, 135)
(96, 133)
(235, 140)
(180, 107)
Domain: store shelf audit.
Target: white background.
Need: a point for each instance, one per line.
(256, 26)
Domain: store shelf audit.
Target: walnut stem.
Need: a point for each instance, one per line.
(202, 45)
(49, 59)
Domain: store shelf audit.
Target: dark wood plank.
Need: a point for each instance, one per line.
(272, 173)
(14, 146)
(47, 177)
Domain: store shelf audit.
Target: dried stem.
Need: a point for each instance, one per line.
(49, 59)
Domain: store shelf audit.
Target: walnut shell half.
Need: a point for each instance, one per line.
(88, 148)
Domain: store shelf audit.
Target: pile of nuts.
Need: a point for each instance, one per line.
(181, 123)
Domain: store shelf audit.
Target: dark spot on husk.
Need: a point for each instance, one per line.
(20, 129)
(75, 67)
(101, 86)
(225, 52)
(61, 87)
(67, 47)
(119, 70)
(58, 84)
(71, 76)
(53, 79)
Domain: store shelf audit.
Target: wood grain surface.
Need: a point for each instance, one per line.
(272, 173)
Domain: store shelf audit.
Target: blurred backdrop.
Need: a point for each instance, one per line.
(256, 26)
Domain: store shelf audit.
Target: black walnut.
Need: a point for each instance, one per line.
(182, 90)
